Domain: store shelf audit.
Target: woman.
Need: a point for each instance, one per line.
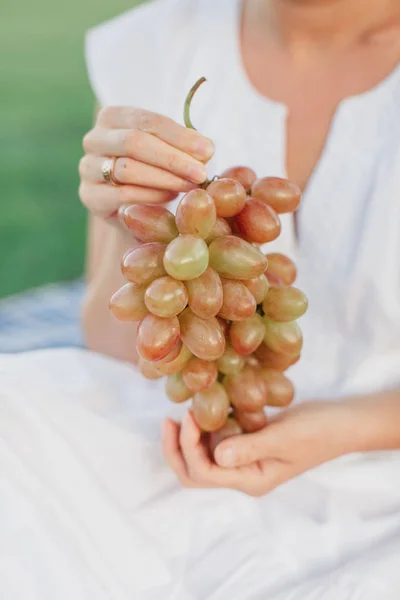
(301, 88)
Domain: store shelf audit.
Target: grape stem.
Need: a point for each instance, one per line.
(188, 121)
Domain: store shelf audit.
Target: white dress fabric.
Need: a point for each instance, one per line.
(88, 509)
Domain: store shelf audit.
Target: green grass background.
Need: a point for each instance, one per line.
(46, 106)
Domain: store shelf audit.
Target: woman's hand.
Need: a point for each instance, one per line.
(297, 440)
(157, 159)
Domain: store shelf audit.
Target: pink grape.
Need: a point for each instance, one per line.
(243, 175)
(156, 337)
(205, 294)
(186, 257)
(211, 408)
(149, 369)
(282, 267)
(238, 302)
(196, 214)
(230, 362)
(203, 337)
(229, 196)
(144, 264)
(199, 374)
(248, 335)
(176, 365)
(127, 304)
(258, 286)
(258, 222)
(234, 258)
(250, 422)
(283, 338)
(282, 195)
(151, 223)
(166, 297)
(280, 388)
(275, 360)
(220, 228)
(247, 390)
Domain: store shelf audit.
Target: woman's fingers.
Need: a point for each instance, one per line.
(133, 172)
(105, 200)
(164, 128)
(145, 148)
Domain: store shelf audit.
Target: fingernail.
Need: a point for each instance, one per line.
(226, 457)
(204, 147)
(197, 173)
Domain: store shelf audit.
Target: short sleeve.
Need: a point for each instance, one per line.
(127, 57)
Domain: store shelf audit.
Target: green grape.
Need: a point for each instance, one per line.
(203, 337)
(280, 388)
(230, 362)
(282, 267)
(176, 389)
(275, 360)
(220, 228)
(166, 297)
(235, 258)
(230, 429)
(250, 422)
(284, 338)
(229, 196)
(176, 365)
(151, 223)
(205, 294)
(127, 304)
(238, 302)
(211, 408)
(186, 257)
(243, 175)
(248, 335)
(199, 374)
(156, 337)
(283, 195)
(258, 286)
(247, 390)
(144, 264)
(196, 214)
(285, 303)
(258, 222)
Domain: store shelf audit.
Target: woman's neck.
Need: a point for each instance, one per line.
(325, 23)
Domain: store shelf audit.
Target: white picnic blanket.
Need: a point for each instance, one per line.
(89, 511)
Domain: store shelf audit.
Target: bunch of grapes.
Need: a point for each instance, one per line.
(216, 315)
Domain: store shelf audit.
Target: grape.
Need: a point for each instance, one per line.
(203, 337)
(275, 360)
(196, 213)
(211, 408)
(235, 258)
(258, 286)
(176, 389)
(205, 294)
(273, 280)
(156, 337)
(149, 369)
(285, 303)
(250, 422)
(224, 326)
(176, 365)
(284, 338)
(242, 175)
(186, 257)
(144, 264)
(220, 228)
(173, 355)
(280, 388)
(127, 304)
(229, 197)
(281, 194)
(230, 429)
(247, 390)
(248, 335)
(166, 297)
(239, 303)
(282, 267)
(199, 374)
(258, 222)
(230, 362)
(150, 223)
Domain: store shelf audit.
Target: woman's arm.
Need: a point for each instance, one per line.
(299, 439)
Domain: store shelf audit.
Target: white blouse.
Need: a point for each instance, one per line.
(348, 254)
